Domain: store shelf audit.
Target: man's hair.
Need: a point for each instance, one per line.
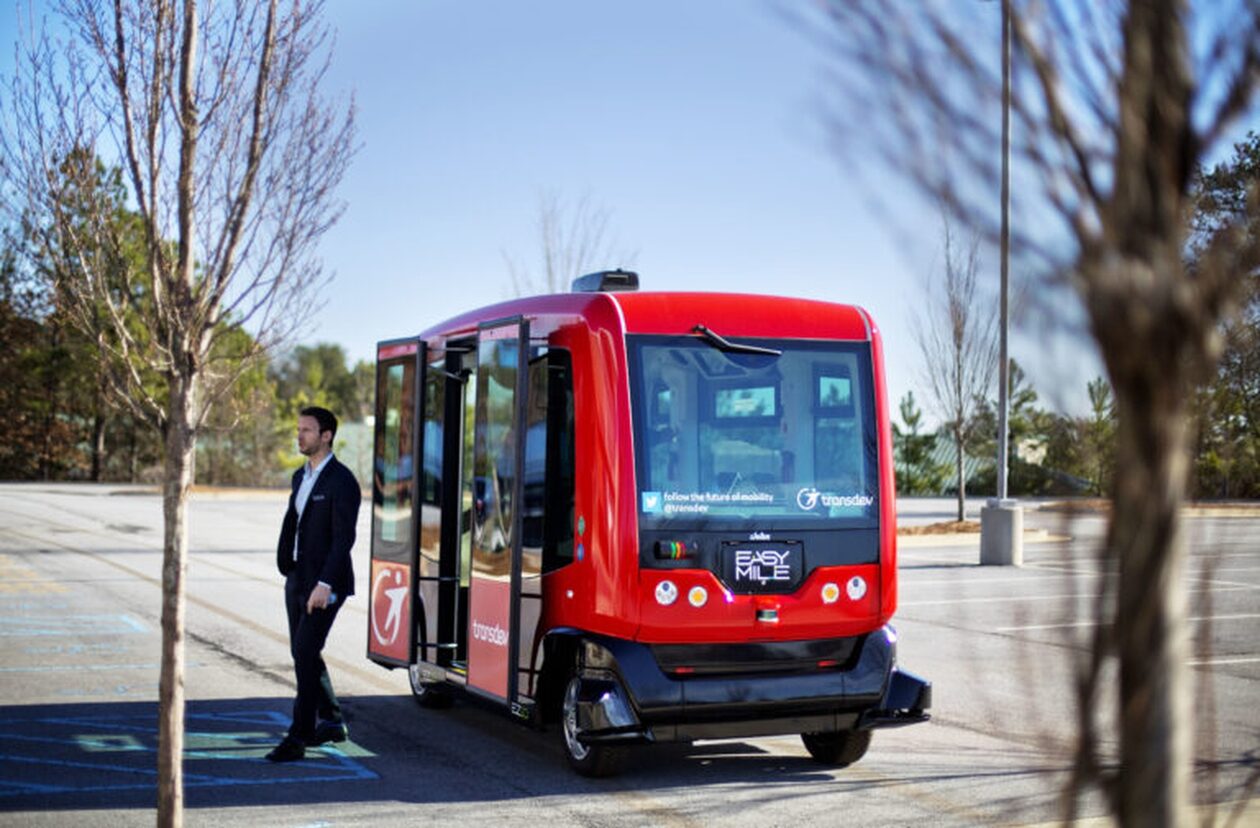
(326, 419)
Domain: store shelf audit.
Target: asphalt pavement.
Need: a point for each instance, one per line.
(80, 580)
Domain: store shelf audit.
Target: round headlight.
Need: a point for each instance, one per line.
(666, 593)
(830, 593)
(856, 587)
(697, 596)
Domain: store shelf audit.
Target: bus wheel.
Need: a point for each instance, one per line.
(839, 748)
(426, 693)
(588, 760)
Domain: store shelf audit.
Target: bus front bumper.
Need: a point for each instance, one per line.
(626, 697)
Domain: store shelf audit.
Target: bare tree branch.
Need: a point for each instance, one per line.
(572, 240)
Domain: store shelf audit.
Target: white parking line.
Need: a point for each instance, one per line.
(1074, 624)
(1214, 662)
(1000, 599)
(1195, 556)
(1234, 584)
(1028, 579)
(1093, 572)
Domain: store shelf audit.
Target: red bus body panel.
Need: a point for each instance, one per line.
(604, 591)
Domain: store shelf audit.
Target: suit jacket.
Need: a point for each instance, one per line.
(325, 532)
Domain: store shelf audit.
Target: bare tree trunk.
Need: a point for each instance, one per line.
(1150, 624)
(180, 444)
(98, 430)
(98, 445)
(132, 452)
(962, 477)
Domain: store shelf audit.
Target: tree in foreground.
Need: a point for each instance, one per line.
(1114, 106)
(231, 158)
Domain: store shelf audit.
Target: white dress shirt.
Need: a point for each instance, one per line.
(309, 477)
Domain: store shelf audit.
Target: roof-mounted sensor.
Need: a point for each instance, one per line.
(606, 281)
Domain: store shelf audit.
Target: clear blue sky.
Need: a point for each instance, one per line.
(698, 125)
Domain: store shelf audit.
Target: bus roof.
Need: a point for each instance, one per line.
(742, 315)
(677, 313)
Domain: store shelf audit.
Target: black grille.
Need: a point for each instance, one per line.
(759, 657)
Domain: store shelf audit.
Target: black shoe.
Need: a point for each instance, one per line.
(329, 732)
(289, 750)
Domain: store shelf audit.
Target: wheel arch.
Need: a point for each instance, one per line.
(561, 649)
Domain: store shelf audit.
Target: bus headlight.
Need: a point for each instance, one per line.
(666, 593)
(698, 596)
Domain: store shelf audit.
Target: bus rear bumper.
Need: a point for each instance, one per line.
(625, 696)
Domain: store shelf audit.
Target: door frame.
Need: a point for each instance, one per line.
(389, 350)
(506, 328)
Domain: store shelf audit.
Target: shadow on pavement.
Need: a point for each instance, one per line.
(103, 756)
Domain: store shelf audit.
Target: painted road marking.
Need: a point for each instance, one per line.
(1217, 662)
(53, 668)
(373, 677)
(73, 625)
(86, 754)
(17, 577)
(968, 580)
(1000, 599)
(1073, 624)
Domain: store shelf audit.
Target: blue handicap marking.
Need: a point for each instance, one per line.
(51, 755)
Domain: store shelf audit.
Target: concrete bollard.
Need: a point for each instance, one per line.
(1002, 533)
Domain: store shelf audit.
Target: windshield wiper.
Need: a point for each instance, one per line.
(723, 344)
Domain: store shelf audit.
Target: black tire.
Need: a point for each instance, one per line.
(839, 748)
(588, 760)
(427, 694)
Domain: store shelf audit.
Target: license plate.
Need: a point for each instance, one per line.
(762, 567)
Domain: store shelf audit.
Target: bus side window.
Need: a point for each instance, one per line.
(393, 475)
(559, 483)
(434, 409)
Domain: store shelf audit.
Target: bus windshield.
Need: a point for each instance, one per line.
(777, 436)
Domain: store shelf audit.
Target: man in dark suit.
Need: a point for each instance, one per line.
(314, 556)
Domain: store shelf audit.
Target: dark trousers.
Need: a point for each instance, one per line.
(307, 634)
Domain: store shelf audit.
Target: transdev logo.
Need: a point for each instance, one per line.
(653, 503)
(809, 498)
(495, 634)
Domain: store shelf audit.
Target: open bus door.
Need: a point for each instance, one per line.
(498, 459)
(400, 369)
(447, 521)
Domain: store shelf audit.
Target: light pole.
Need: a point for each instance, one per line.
(1004, 379)
(1001, 520)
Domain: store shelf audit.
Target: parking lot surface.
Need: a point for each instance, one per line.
(79, 648)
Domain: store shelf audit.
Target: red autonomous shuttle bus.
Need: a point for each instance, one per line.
(641, 517)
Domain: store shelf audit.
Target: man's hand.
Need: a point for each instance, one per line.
(319, 598)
